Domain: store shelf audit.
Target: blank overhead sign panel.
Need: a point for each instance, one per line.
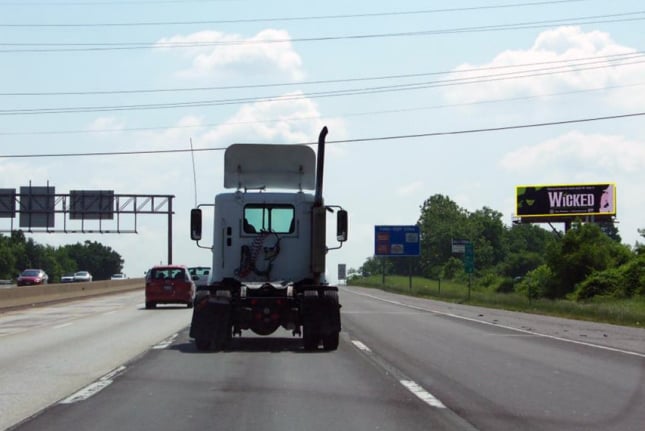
(37, 206)
(396, 240)
(91, 204)
(7, 203)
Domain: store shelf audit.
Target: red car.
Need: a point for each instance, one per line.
(30, 277)
(169, 284)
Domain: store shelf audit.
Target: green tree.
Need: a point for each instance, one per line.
(525, 247)
(441, 220)
(486, 230)
(583, 250)
(101, 261)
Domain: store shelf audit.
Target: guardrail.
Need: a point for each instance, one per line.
(13, 297)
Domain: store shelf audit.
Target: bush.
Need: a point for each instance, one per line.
(634, 277)
(454, 268)
(489, 279)
(622, 282)
(537, 283)
(506, 285)
(599, 283)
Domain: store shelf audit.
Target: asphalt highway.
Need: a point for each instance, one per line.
(402, 364)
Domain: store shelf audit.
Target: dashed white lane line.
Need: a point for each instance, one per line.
(94, 388)
(422, 394)
(410, 385)
(361, 346)
(64, 325)
(165, 343)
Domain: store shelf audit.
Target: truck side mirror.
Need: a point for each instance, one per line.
(195, 224)
(341, 225)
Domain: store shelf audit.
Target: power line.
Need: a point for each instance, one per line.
(299, 96)
(568, 62)
(285, 19)
(318, 117)
(343, 141)
(109, 3)
(51, 47)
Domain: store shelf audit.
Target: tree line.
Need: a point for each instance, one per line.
(18, 253)
(588, 260)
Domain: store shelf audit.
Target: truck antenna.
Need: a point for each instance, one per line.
(192, 154)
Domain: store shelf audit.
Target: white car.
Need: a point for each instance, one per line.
(67, 278)
(199, 274)
(82, 276)
(118, 277)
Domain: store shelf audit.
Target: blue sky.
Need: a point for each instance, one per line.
(410, 68)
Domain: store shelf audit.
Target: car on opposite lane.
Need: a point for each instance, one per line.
(31, 277)
(118, 276)
(82, 276)
(67, 278)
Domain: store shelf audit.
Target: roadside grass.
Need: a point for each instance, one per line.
(627, 312)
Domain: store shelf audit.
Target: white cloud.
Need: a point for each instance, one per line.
(276, 121)
(554, 47)
(576, 153)
(105, 124)
(410, 189)
(230, 54)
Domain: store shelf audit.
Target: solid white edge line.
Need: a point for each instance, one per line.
(63, 325)
(422, 394)
(510, 328)
(94, 388)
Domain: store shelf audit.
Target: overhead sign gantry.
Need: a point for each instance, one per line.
(41, 210)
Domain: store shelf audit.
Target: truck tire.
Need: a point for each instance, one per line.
(310, 337)
(150, 305)
(330, 341)
(203, 344)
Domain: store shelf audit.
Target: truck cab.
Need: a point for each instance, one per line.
(269, 249)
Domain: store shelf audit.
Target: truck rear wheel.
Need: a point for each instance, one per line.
(203, 344)
(310, 338)
(330, 341)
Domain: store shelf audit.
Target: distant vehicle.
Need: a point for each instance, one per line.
(169, 284)
(67, 278)
(199, 274)
(30, 277)
(118, 277)
(82, 276)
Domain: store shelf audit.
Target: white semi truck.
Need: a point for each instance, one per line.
(269, 249)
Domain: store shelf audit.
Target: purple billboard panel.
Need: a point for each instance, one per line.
(566, 200)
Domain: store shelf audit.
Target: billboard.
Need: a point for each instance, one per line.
(566, 200)
(396, 240)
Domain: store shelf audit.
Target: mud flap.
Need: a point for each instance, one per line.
(320, 316)
(211, 322)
